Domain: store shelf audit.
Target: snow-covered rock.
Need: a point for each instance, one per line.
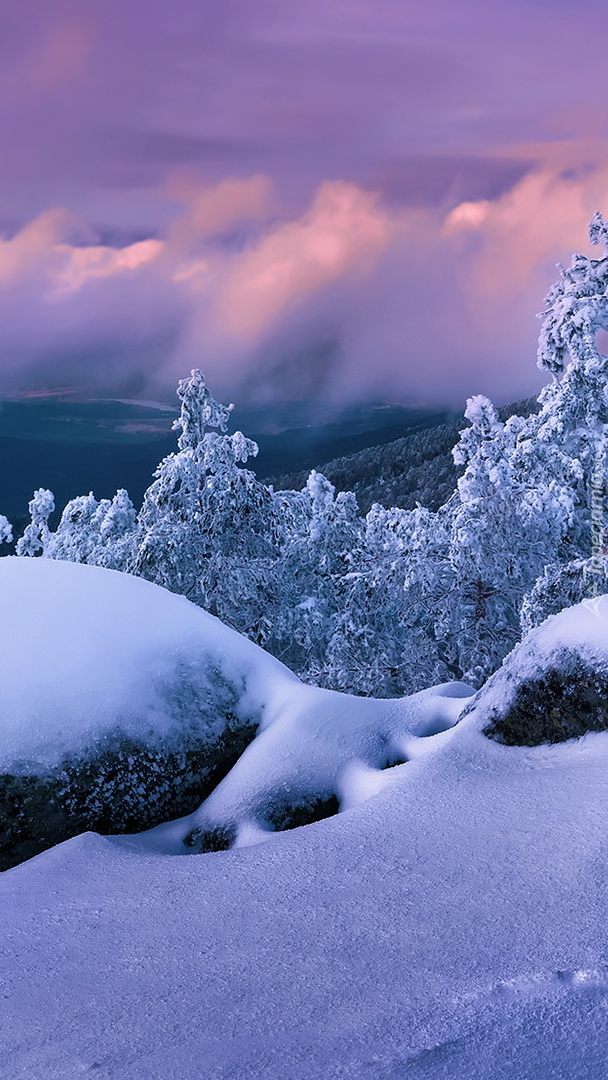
(121, 704)
(554, 685)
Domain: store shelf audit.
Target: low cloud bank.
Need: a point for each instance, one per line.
(354, 298)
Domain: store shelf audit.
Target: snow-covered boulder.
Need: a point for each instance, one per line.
(121, 704)
(554, 685)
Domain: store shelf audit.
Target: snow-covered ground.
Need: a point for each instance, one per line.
(453, 925)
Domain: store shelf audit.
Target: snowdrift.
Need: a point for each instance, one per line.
(329, 751)
(321, 753)
(450, 924)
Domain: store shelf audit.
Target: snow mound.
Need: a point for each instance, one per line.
(325, 752)
(86, 650)
(554, 685)
(121, 704)
(319, 753)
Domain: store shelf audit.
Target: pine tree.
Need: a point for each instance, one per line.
(206, 526)
(319, 538)
(6, 530)
(36, 536)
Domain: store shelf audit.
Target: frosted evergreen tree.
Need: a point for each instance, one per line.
(206, 527)
(36, 536)
(574, 410)
(570, 430)
(561, 585)
(481, 615)
(384, 641)
(114, 549)
(317, 548)
(6, 530)
(77, 534)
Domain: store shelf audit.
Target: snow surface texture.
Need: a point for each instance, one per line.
(452, 927)
(119, 702)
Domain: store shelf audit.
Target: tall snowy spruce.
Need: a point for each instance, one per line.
(6, 530)
(207, 527)
(513, 507)
(320, 539)
(574, 418)
(36, 536)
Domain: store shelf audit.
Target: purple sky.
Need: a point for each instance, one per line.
(334, 198)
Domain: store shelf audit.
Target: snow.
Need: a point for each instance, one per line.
(452, 926)
(84, 651)
(449, 927)
(318, 743)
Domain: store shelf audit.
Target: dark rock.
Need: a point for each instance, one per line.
(565, 702)
(122, 786)
(284, 814)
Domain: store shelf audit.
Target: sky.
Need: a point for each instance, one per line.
(339, 200)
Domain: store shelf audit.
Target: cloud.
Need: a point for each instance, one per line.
(87, 263)
(210, 210)
(343, 230)
(354, 297)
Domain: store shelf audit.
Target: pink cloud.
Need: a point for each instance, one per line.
(343, 230)
(208, 211)
(411, 302)
(81, 265)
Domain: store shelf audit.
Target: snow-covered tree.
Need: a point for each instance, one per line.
(114, 549)
(319, 539)
(101, 533)
(206, 528)
(512, 509)
(384, 640)
(77, 534)
(36, 536)
(562, 585)
(6, 530)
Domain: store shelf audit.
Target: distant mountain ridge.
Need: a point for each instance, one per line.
(75, 449)
(417, 468)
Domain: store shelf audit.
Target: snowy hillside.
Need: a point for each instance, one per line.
(452, 926)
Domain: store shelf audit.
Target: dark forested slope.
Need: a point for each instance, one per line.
(417, 468)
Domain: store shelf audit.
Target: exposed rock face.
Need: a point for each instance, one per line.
(122, 786)
(554, 685)
(121, 705)
(567, 701)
